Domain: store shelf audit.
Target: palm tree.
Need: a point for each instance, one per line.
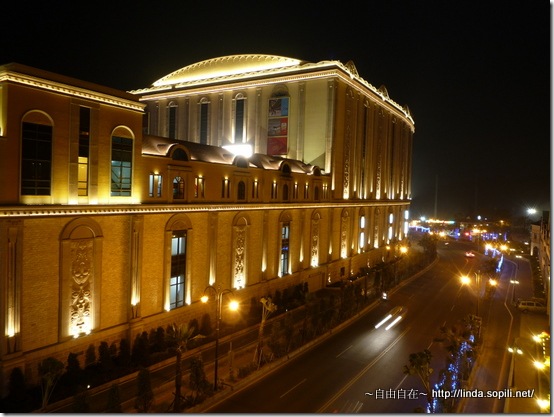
(420, 365)
(179, 335)
(268, 308)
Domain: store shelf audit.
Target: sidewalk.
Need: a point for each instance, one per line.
(164, 394)
(524, 380)
(523, 373)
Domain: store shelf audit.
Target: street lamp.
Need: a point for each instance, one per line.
(466, 280)
(513, 350)
(514, 282)
(233, 306)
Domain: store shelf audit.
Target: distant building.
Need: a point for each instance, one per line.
(248, 172)
(540, 247)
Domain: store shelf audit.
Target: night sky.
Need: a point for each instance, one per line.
(474, 74)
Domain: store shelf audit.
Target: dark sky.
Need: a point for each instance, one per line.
(475, 74)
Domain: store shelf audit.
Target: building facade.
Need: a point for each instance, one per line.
(246, 172)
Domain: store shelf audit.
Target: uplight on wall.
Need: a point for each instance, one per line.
(240, 149)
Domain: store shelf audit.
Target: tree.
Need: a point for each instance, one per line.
(145, 395)
(124, 358)
(17, 400)
(429, 244)
(420, 366)
(140, 352)
(179, 335)
(197, 380)
(49, 370)
(105, 358)
(90, 356)
(74, 374)
(268, 308)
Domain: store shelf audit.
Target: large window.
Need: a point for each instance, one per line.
(204, 121)
(285, 235)
(36, 159)
(155, 185)
(178, 269)
(199, 187)
(122, 157)
(172, 120)
(84, 149)
(178, 188)
(240, 116)
(361, 243)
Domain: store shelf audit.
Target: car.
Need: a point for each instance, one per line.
(470, 254)
(534, 306)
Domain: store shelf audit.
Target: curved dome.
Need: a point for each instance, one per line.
(226, 66)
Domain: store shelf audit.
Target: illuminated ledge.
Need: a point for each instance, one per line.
(61, 211)
(69, 90)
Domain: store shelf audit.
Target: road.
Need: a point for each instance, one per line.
(359, 369)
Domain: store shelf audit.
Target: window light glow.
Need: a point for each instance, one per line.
(240, 149)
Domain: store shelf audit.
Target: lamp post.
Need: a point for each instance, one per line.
(467, 280)
(514, 282)
(233, 305)
(513, 350)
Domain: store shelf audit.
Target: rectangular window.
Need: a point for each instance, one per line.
(178, 188)
(155, 185)
(273, 190)
(306, 191)
(285, 232)
(204, 118)
(36, 159)
(84, 150)
(225, 188)
(239, 121)
(199, 187)
(122, 157)
(178, 269)
(255, 189)
(172, 121)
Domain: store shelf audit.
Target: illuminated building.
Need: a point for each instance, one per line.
(252, 172)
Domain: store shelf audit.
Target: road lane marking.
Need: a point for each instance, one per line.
(343, 351)
(300, 383)
(362, 372)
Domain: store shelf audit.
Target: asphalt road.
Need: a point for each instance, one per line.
(359, 369)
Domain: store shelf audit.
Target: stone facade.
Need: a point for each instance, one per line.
(118, 209)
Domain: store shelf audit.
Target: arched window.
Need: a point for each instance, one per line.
(36, 159)
(122, 166)
(172, 120)
(239, 118)
(178, 290)
(204, 120)
(284, 256)
(180, 155)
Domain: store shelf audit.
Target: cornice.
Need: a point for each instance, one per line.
(108, 210)
(56, 87)
(358, 83)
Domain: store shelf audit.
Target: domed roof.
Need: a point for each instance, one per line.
(226, 66)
